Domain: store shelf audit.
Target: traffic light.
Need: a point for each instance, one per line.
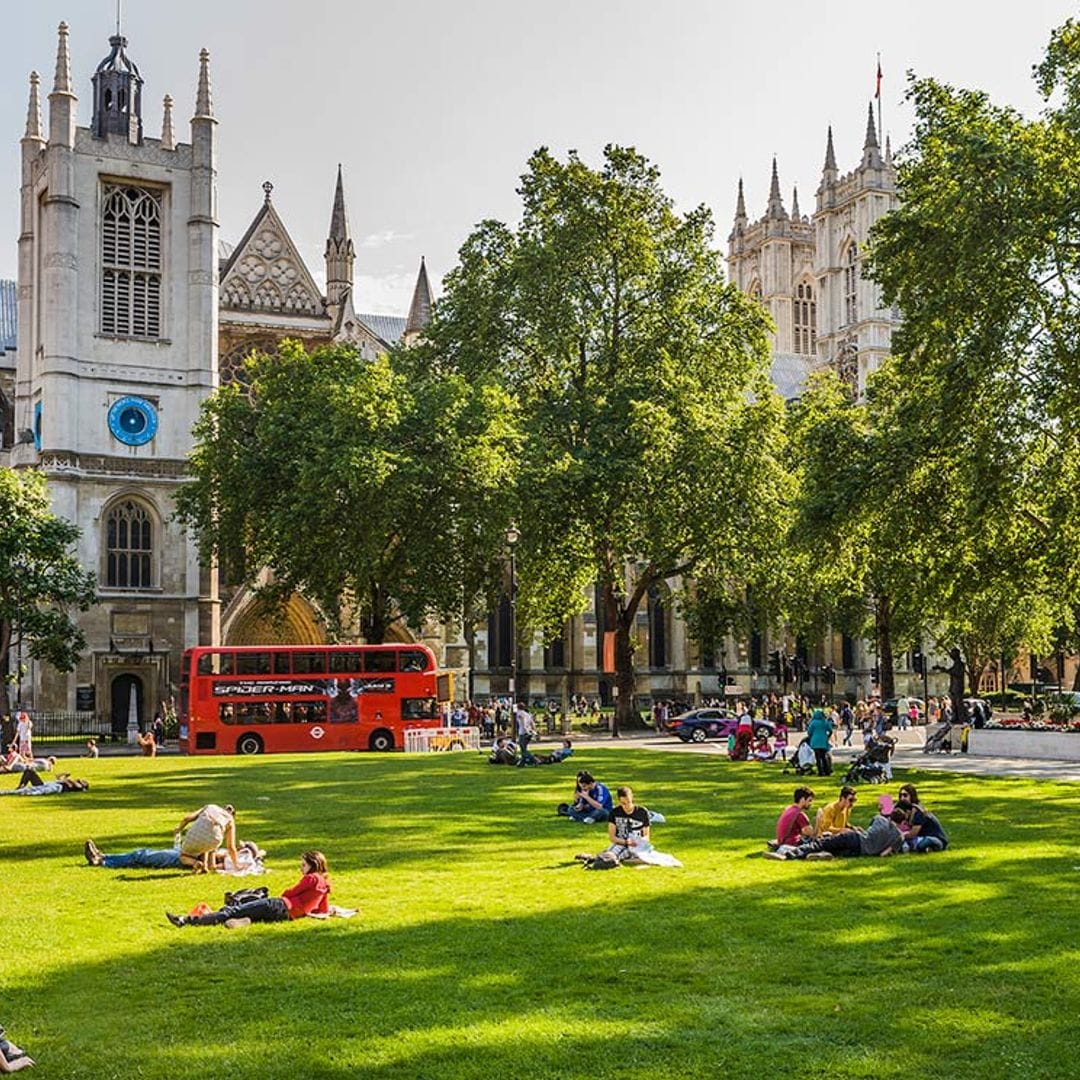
(829, 674)
(775, 667)
(918, 662)
(875, 674)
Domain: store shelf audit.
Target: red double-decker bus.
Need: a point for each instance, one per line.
(285, 698)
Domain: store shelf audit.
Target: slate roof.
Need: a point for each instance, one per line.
(790, 372)
(8, 312)
(391, 328)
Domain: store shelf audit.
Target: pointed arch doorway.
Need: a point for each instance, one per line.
(126, 689)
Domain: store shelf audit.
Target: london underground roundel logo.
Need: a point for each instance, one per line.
(317, 732)
(133, 420)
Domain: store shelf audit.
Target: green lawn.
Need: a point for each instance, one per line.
(483, 951)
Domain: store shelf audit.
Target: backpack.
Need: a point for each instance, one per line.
(245, 896)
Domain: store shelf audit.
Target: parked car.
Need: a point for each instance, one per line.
(889, 708)
(701, 724)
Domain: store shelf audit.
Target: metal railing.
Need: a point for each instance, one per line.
(59, 727)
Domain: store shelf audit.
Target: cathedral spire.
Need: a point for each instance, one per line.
(168, 139)
(871, 147)
(830, 154)
(204, 108)
(776, 209)
(34, 129)
(888, 150)
(62, 80)
(340, 253)
(795, 203)
(420, 308)
(740, 206)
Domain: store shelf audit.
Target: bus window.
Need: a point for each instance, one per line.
(380, 661)
(282, 663)
(345, 663)
(225, 663)
(419, 709)
(226, 714)
(309, 712)
(412, 660)
(309, 663)
(281, 713)
(253, 712)
(256, 663)
(208, 664)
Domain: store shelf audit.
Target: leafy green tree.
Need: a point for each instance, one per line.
(983, 258)
(372, 491)
(650, 431)
(41, 581)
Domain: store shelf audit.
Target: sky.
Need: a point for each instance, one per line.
(432, 107)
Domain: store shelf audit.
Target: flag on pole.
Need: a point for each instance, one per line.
(877, 91)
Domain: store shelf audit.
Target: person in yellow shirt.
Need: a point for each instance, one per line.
(833, 818)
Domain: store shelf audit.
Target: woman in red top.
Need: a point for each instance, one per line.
(306, 897)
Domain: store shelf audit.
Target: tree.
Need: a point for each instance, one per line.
(650, 431)
(983, 257)
(366, 486)
(41, 582)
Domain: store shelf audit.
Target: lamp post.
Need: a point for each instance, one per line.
(512, 537)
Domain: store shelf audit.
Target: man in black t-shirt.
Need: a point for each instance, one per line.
(628, 831)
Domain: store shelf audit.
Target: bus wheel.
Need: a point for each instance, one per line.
(381, 740)
(249, 744)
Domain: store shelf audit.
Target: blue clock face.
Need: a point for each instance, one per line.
(133, 420)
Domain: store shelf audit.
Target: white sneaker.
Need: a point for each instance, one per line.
(778, 855)
(237, 924)
(820, 855)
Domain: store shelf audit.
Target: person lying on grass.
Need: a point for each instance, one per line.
(307, 897)
(62, 785)
(882, 838)
(171, 858)
(628, 832)
(14, 762)
(564, 751)
(12, 1057)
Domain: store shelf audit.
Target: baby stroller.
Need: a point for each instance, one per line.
(802, 761)
(872, 766)
(939, 741)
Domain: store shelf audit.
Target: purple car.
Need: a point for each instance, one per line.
(697, 725)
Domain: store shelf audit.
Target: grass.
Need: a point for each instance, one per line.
(482, 952)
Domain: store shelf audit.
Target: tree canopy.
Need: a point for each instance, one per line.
(650, 430)
(41, 581)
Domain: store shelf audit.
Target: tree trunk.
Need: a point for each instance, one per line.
(625, 681)
(379, 617)
(884, 648)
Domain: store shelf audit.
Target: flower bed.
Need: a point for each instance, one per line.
(1018, 723)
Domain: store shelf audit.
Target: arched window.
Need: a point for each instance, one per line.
(129, 546)
(851, 285)
(131, 262)
(805, 320)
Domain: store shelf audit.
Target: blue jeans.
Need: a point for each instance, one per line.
(588, 815)
(146, 858)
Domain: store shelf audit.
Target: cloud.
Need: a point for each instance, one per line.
(384, 294)
(382, 239)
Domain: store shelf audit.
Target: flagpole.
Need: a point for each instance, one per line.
(881, 128)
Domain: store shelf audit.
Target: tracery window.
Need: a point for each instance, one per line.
(851, 285)
(805, 320)
(129, 545)
(131, 262)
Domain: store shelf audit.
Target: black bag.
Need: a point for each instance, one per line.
(245, 896)
(604, 861)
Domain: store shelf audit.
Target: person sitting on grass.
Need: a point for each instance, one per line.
(882, 838)
(504, 752)
(307, 897)
(211, 826)
(147, 743)
(592, 800)
(12, 1057)
(834, 816)
(628, 832)
(564, 751)
(32, 784)
(924, 832)
(91, 748)
(793, 824)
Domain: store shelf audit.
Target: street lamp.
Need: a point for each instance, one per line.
(512, 537)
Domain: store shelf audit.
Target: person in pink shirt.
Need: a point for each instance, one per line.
(793, 825)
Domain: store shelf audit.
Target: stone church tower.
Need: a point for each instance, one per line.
(808, 272)
(117, 349)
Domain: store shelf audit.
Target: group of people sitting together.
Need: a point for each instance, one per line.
(897, 828)
(629, 825)
(505, 751)
(205, 841)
